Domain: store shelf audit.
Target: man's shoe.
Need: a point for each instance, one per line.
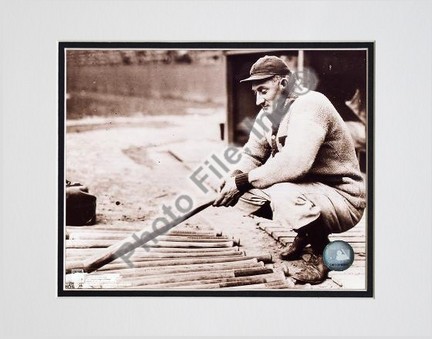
(295, 249)
(318, 243)
(314, 273)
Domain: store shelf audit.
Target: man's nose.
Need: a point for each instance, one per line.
(259, 99)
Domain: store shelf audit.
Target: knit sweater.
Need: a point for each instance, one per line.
(311, 143)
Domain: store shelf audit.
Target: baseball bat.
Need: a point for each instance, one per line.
(136, 240)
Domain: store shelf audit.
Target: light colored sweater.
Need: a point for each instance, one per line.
(311, 143)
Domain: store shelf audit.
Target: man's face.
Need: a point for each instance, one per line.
(267, 93)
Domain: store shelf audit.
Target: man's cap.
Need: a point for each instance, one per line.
(266, 67)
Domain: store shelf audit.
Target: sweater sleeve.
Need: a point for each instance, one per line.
(306, 132)
(256, 151)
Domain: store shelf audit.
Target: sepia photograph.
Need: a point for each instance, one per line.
(216, 169)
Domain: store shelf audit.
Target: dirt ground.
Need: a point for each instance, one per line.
(124, 162)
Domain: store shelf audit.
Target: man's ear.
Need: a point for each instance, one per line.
(284, 82)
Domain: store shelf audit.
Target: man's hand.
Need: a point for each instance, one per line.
(228, 193)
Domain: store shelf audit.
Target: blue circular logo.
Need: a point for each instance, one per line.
(338, 255)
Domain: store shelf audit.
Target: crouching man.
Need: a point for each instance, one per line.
(299, 166)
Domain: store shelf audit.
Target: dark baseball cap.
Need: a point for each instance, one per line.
(266, 67)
